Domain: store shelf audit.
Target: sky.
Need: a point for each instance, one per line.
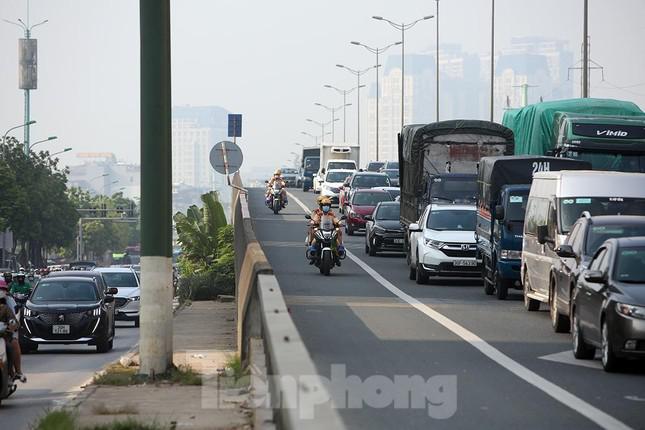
(269, 60)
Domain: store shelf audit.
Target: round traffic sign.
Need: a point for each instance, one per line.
(226, 157)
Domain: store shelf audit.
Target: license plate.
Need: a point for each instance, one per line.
(398, 241)
(465, 263)
(60, 329)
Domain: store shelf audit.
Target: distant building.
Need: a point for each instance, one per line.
(101, 173)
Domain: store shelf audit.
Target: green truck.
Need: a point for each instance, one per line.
(610, 134)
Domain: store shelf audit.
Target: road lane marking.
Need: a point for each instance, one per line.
(568, 399)
(566, 357)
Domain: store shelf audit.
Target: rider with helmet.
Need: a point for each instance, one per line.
(20, 285)
(324, 209)
(8, 317)
(277, 177)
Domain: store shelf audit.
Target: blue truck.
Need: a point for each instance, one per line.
(503, 185)
(310, 165)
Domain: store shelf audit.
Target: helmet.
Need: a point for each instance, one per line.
(278, 172)
(20, 276)
(324, 200)
(8, 276)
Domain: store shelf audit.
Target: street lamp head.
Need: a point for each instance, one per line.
(33, 121)
(355, 43)
(67, 149)
(428, 17)
(340, 65)
(52, 138)
(398, 43)
(309, 120)
(378, 18)
(327, 86)
(317, 104)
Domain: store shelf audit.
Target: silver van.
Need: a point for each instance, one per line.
(556, 201)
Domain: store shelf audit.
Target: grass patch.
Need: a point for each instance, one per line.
(102, 409)
(235, 375)
(234, 362)
(118, 375)
(56, 420)
(129, 424)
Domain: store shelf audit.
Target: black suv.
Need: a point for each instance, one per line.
(609, 304)
(68, 310)
(586, 235)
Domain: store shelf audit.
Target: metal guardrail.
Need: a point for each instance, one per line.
(298, 396)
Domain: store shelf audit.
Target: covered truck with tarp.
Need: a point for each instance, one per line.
(608, 133)
(503, 187)
(438, 161)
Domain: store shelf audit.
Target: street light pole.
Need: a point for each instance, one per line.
(27, 29)
(60, 152)
(437, 59)
(41, 141)
(4, 137)
(585, 51)
(492, 59)
(333, 111)
(358, 73)
(402, 27)
(344, 93)
(377, 51)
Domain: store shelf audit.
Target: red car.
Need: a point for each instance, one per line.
(363, 203)
(360, 180)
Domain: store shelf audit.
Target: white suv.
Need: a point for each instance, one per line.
(127, 299)
(443, 243)
(334, 179)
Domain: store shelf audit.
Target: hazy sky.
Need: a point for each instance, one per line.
(269, 59)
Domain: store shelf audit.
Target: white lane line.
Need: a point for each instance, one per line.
(568, 399)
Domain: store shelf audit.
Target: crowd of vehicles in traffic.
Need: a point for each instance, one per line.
(551, 204)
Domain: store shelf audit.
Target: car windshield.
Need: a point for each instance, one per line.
(392, 173)
(572, 207)
(516, 207)
(394, 193)
(337, 176)
(369, 181)
(341, 165)
(65, 291)
(454, 189)
(120, 279)
(312, 163)
(614, 162)
(375, 166)
(370, 199)
(388, 212)
(289, 171)
(630, 265)
(452, 219)
(392, 165)
(599, 233)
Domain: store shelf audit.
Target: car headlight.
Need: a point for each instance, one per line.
(508, 254)
(434, 243)
(29, 313)
(135, 298)
(631, 310)
(379, 229)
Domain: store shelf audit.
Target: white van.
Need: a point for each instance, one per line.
(556, 201)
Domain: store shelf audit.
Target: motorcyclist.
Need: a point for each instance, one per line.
(20, 285)
(277, 177)
(8, 317)
(324, 209)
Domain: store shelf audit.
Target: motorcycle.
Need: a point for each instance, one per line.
(21, 300)
(274, 200)
(326, 235)
(7, 385)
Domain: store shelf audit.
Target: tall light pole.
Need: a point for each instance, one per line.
(585, 51)
(41, 141)
(344, 93)
(358, 73)
(492, 58)
(315, 138)
(322, 126)
(376, 51)
(28, 68)
(437, 60)
(333, 111)
(402, 27)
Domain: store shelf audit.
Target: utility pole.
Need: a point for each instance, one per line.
(437, 16)
(28, 67)
(585, 51)
(155, 343)
(492, 60)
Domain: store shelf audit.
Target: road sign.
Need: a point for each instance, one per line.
(234, 125)
(226, 157)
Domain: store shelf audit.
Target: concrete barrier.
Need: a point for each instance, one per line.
(294, 384)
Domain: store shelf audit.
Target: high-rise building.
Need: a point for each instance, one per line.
(195, 130)
(101, 173)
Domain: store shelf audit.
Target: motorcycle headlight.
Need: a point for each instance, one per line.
(434, 243)
(508, 254)
(631, 310)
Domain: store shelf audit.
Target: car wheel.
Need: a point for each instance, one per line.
(610, 362)
(412, 270)
(349, 230)
(530, 304)
(501, 287)
(367, 247)
(136, 323)
(421, 275)
(559, 322)
(581, 349)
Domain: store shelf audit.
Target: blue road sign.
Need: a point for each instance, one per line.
(234, 125)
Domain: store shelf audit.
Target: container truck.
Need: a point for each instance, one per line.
(310, 165)
(336, 156)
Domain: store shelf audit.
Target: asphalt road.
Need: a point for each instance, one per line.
(511, 369)
(55, 372)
